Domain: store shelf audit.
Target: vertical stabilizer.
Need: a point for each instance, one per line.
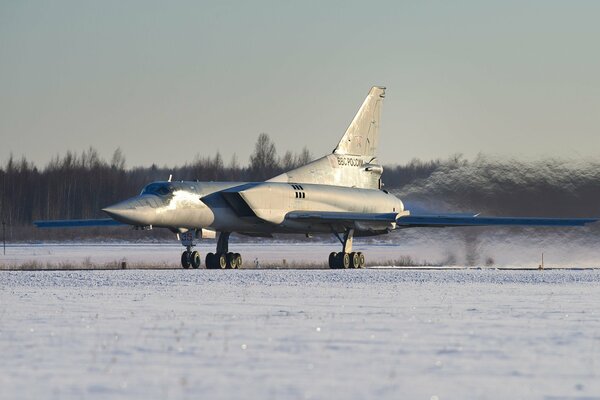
(353, 163)
(362, 135)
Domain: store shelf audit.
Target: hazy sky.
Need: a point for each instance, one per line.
(166, 81)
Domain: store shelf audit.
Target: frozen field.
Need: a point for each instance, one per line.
(300, 334)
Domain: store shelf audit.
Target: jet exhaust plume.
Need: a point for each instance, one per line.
(506, 186)
(499, 186)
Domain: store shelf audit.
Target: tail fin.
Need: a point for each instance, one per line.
(353, 162)
(362, 135)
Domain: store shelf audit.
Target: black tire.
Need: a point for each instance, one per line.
(209, 262)
(354, 260)
(238, 260)
(343, 260)
(230, 257)
(362, 263)
(185, 259)
(195, 260)
(332, 259)
(221, 260)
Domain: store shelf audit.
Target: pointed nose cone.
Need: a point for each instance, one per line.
(114, 211)
(128, 212)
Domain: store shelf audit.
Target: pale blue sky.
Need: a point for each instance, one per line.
(168, 80)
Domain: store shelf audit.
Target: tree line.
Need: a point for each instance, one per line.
(80, 185)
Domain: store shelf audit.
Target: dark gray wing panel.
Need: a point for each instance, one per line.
(449, 220)
(77, 223)
(239, 205)
(324, 217)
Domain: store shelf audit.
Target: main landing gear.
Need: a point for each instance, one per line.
(346, 258)
(223, 258)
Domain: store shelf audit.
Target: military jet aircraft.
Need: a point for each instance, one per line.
(340, 193)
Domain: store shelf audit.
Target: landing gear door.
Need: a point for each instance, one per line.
(187, 238)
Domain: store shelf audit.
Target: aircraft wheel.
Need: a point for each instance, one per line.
(238, 260)
(361, 257)
(354, 260)
(346, 260)
(221, 260)
(195, 260)
(332, 259)
(343, 260)
(209, 261)
(185, 259)
(231, 261)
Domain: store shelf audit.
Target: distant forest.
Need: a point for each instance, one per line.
(79, 185)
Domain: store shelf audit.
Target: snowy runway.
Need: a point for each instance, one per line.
(520, 249)
(300, 334)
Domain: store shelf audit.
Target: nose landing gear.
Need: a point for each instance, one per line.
(189, 258)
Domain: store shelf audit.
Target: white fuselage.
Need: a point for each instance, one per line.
(248, 207)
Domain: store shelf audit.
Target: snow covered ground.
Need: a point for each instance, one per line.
(300, 334)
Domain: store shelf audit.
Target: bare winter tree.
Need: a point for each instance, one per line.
(304, 157)
(263, 162)
(288, 161)
(118, 159)
(292, 160)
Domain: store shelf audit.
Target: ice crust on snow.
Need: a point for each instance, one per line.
(300, 334)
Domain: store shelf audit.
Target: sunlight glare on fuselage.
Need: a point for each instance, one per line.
(180, 199)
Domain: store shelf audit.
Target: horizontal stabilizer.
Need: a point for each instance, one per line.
(77, 223)
(448, 220)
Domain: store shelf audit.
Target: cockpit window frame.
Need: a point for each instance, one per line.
(158, 189)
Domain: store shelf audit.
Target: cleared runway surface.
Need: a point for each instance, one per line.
(300, 334)
(522, 249)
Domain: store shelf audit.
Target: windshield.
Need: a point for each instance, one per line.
(159, 189)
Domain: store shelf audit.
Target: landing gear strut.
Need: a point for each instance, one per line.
(346, 258)
(223, 258)
(189, 258)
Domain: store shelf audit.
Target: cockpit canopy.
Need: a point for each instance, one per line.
(158, 188)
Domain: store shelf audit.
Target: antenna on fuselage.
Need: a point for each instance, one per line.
(170, 177)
